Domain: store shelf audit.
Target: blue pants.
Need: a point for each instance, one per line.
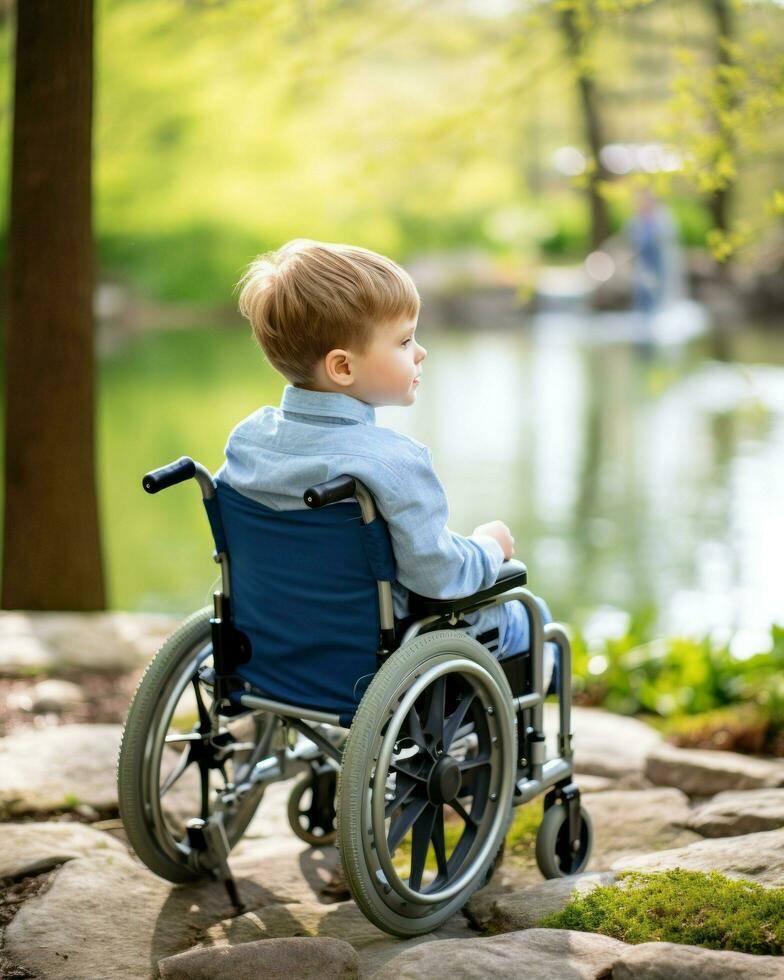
(510, 621)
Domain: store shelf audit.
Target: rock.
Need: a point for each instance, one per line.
(108, 916)
(55, 695)
(606, 744)
(594, 784)
(672, 961)
(745, 812)
(59, 767)
(31, 848)
(703, 772)
(526, 909)
(343, 921)
(292, 870)
(628, 822)
(100, 641)
(754, 857)
(274, 959)
(546, 954)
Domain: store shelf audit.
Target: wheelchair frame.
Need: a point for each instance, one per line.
(270, 762)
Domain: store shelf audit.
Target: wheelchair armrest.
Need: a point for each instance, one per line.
(512, 574)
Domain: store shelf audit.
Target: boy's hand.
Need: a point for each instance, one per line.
(501, 533)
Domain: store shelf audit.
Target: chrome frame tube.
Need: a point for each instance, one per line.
(553, 771)
(556, 633)
(290, 710)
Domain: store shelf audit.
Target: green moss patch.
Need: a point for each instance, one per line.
(681, 907)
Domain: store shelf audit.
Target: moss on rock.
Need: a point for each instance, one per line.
(679, 906)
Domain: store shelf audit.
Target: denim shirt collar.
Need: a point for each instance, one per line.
(329, 403)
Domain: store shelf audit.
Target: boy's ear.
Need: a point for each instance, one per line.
(337, 364)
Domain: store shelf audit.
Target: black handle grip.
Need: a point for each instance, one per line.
(166, 476)
(330, 492)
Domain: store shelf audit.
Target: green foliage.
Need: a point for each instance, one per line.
(679, 676)
(521, 838)
(681, 907)
(222, 129)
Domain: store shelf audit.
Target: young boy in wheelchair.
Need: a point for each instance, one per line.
(410, 657)
(339, 323)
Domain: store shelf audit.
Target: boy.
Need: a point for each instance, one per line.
(339, 322)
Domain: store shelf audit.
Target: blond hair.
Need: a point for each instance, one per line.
(310, 297)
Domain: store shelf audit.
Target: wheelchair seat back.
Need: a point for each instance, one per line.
(304, 592)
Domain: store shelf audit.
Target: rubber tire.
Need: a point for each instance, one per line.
(547, 837)
(293, 814)
(408, 660)
(165, 667)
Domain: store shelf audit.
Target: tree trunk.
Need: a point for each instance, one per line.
(51, 546)
(720, 201)
(589, 103)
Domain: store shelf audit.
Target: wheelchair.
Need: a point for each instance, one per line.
(411, 742)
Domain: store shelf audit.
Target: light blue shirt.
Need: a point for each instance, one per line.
(275, 454)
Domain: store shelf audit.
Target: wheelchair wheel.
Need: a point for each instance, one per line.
(425, 789)
(169, 768)
(311, 808)
(553, 855)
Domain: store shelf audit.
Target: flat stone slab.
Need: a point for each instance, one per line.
(52, 768)
(314, 958)
(106, 915)
(704, 772)
(526, 908)
(32, 642)
(754, 857)
(745, 812)
(339, 921)
(671, 961)
(605, 744)
(543, 954)
(629, 822)
(31, 848)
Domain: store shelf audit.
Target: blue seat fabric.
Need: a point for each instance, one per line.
(304, 591)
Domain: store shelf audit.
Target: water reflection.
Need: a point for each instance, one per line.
(625, 483)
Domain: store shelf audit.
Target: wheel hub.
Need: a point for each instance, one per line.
(444, 781)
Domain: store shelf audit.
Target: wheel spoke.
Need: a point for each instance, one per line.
(415, 727)
(401, 766)
(420, 842)
(461, 811)
(474, 762)
(434, 725)
(454, 721)
(182, 764)
(439, 844)
(404, 822)
(403, 790)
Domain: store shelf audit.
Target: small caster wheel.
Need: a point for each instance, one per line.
(553, 855)
(311, 808)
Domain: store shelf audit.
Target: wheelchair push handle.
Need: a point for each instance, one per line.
(330, 492)
(167, 476)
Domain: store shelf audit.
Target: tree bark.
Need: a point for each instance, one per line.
(589, 103)
(51, 541)
(720, 201)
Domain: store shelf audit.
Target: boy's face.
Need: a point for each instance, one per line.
(388, 371)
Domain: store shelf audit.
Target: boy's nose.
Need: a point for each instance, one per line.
(422, 352)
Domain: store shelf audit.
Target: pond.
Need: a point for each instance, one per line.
(630, 483)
